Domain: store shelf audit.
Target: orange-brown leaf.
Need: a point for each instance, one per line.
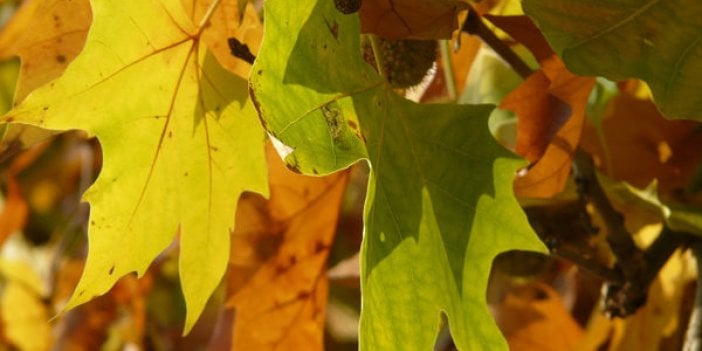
(410, 19)
(539, 118)
(644, 146)
(550, 106)
(277, 276)
(46, 35)
(228, 21)
(533, 318)
(14, 212)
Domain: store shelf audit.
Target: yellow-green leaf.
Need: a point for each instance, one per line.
(180, 142)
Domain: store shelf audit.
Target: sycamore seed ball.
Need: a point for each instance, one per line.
(406, 62)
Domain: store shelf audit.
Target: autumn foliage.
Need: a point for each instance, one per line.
(246, 175)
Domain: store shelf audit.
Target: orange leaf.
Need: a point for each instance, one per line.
(46, 35)
(644, 146)
(228, 21)
(533, 318)
(550, 106)
(277, 276)
(410, 19)
(14, 212)
(547, 176)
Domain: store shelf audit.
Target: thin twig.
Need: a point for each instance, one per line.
(448, 69)
(377, 53)
(629, 256)
(589, 265)
(474, 25)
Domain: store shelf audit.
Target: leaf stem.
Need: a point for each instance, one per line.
(448, 69)
(474, 25)
(206, 18)
(378, 56)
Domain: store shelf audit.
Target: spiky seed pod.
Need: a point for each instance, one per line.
(347, 6)
(406, 62)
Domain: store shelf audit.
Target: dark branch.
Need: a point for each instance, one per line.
(474, 25)
(638, 268)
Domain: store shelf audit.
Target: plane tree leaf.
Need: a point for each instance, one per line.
(47, 35)
(180, 142)
(278, 278)
(229, 20)
(657, 41)
(410, 19)
(550, 106)
(440, 203)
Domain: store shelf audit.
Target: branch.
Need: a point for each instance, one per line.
(630, 256)
(474, 25)
(638, 268)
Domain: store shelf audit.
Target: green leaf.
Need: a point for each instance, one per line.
(440, 203)
(180, 142)
(677, 216)
(659, 41)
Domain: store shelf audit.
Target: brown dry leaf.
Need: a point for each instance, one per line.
(547, 176)
(277, 278)
(533, 317)
(410, 19)
(541, 115)
(644, 146)
(550, 106)
(47, 35)
(227, 21)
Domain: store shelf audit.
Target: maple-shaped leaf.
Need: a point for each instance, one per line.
(277, 280)
(46, 35)
(180, 142)
(440, 203)
(657, 41)
(551, 107)
(410, 19)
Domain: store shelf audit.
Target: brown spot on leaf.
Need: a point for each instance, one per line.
(320, 246)
(60, 59)
(9, 119)
(112, 270)
(303, 295)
